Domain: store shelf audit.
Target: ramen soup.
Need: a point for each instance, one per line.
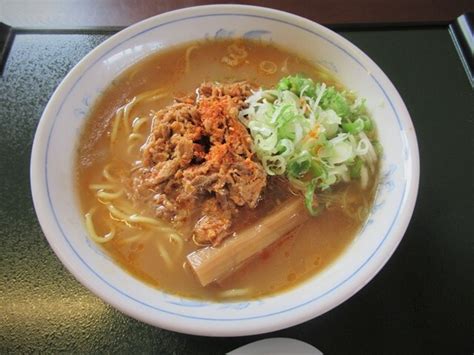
(226, 169)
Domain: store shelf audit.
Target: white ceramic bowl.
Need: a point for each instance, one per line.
(56, 204)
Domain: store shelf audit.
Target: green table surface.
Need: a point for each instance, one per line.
(420, 302)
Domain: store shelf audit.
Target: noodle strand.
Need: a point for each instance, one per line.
(268, 67)
(235, 292)
(188, 56)
(116, 124)
(164, 254)
(108, 176)
(124, 112)
(138, 122)
(103, 195)
(101, 186)
(91, 229)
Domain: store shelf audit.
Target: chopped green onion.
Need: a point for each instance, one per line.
(354, 127)
(355, 168)
(311, 133)
(334, 100)
(300, 164)
(378, 147)
(368, 125)
(309, 198)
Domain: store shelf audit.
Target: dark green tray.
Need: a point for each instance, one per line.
(420, 302)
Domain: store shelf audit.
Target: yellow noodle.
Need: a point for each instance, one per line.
(132, 139)
(135, 136)
(150, 94)
(197, 243)
(138, 122)
(297, 184)
(145, 96)
(107, 175)
(172, 234)
(164, 254)
(174, 237)
(116, 124)
(268, 67)
(324, 75)
(130, 148)
(114, 211)
(129, 240)
(164, 228)
(112, 217)
(91, 230)
(362, 212)
(103, 195)
(187, 57)
(128, 210)
(235, 292)
(133, 73)
(101, 186)
(135, 218)
(123, 113)
(155, 97)
(127, 109)
(126, 207)
(284, 68)
(347, 204)
(364, 177)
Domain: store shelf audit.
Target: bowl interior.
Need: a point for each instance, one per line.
(56, 203)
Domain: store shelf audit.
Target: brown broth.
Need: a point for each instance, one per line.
(308, 250)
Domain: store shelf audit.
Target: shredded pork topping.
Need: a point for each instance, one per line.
(199, 164)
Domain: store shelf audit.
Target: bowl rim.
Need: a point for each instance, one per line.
(37, 184)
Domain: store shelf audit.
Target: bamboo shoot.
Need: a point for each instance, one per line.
(214, 263)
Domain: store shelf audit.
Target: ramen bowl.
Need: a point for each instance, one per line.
(58, 210)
